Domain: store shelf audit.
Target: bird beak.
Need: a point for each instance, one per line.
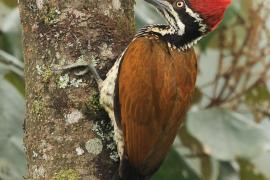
(166, 10)
(161, 5)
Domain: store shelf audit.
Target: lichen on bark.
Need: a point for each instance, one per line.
(58, 33)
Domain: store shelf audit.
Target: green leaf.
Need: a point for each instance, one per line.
(11, 3)
(258, 95)
(16, 81)
(226, 135)
(205, 166)
(6, 172)
(3, 11)
(174, 168)
(11, 63)
(11, 120)
(11, 27)
(206, 41)
(258, 101)
(228, 171)
(262, 164)
(249, 172)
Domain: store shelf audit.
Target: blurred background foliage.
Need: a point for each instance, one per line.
(227, 131)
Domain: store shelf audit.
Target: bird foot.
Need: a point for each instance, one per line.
(80, 68)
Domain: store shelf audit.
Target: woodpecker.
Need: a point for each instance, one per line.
(147, 91)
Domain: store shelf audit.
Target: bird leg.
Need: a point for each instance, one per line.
(86, 68)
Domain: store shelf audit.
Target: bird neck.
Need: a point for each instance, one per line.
(182, 39)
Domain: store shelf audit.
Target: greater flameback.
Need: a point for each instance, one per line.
(148, 90)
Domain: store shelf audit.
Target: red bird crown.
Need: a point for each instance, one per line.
(212, 11)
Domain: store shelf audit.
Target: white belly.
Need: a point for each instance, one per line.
(107, 101)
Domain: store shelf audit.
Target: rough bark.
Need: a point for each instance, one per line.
(67, 134)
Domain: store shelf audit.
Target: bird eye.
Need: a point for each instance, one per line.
(180, 4)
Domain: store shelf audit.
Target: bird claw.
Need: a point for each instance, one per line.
(83, 72)
(84, 66)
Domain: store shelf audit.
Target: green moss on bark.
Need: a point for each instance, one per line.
(37, 107)
(51, 16)
(93, 103)
(68, 174)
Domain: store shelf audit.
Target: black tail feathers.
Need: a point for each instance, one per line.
(128, 172)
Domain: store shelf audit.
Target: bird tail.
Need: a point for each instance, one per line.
(128, 172)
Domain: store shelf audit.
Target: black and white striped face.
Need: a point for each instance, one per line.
(188, 17)
(185, 28)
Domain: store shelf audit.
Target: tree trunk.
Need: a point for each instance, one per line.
(67, 134)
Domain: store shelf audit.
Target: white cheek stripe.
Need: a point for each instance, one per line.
(163, 32)
(203, 27)
(179, 27)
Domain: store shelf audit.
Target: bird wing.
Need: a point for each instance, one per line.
(154, 88)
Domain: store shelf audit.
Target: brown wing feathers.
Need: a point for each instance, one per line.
(154, 88)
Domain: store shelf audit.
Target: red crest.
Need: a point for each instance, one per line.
(212, 11)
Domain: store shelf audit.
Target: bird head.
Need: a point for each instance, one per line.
(181, 14)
